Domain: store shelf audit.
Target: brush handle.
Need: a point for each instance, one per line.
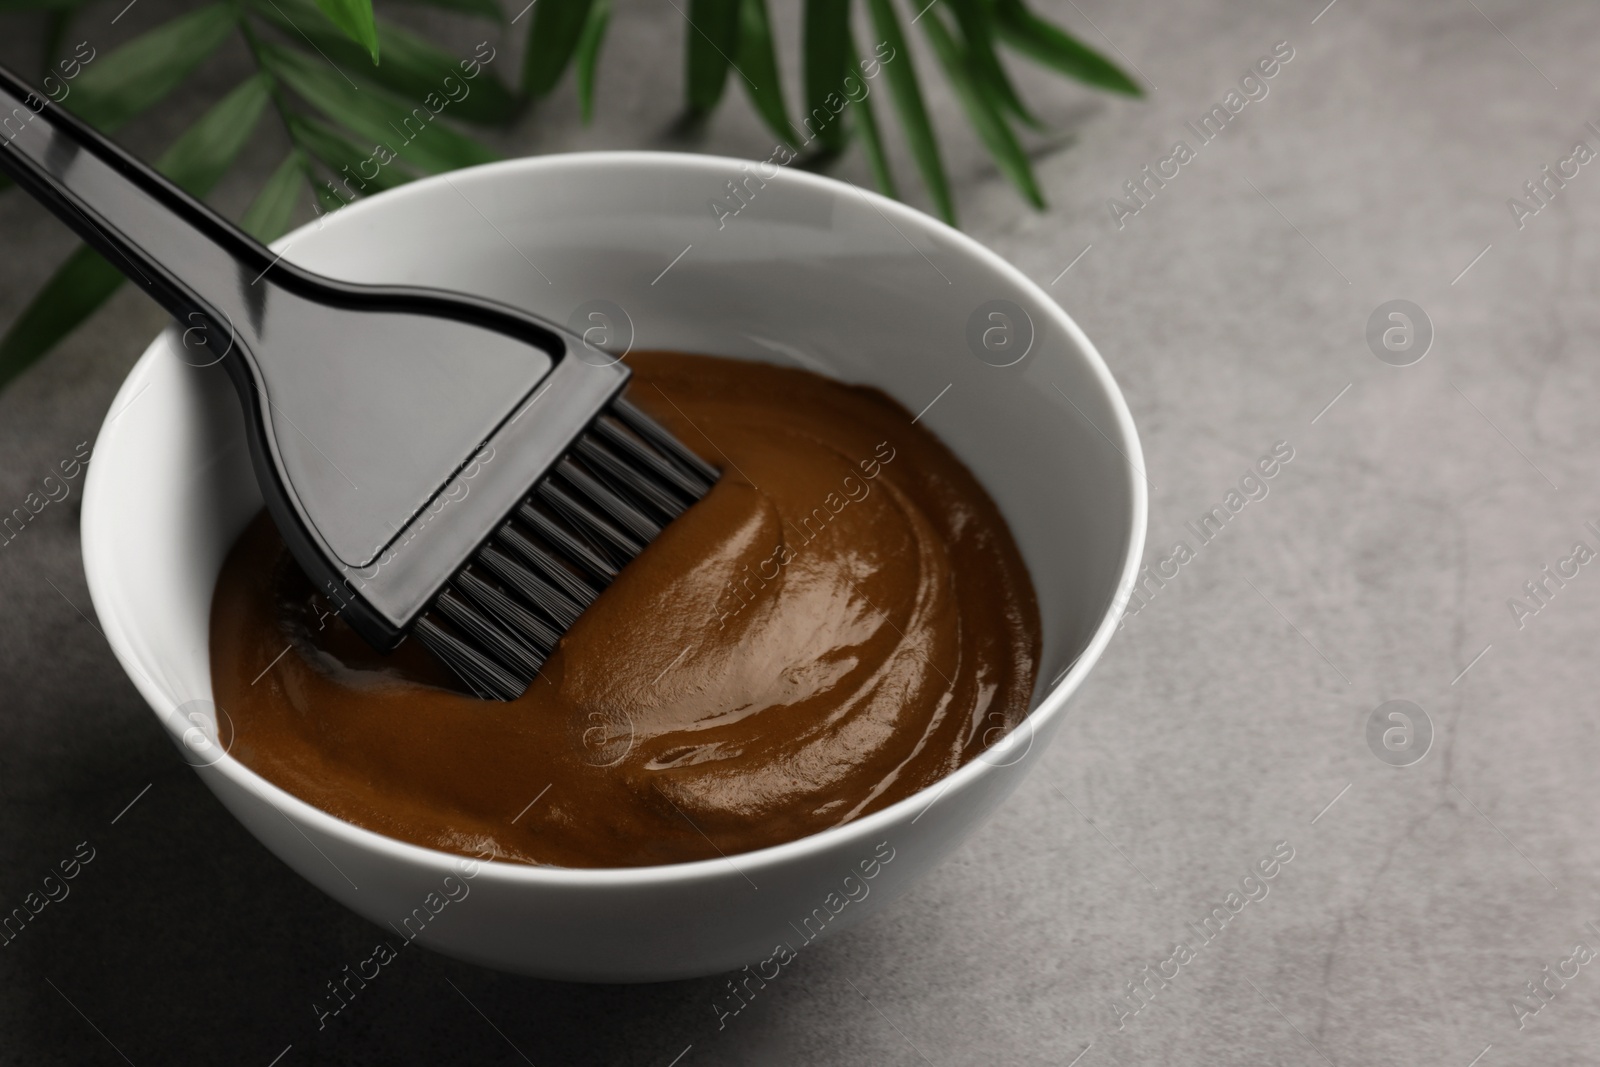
(186, 256)
(369, 408)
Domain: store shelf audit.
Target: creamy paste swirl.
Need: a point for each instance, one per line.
(841, 622)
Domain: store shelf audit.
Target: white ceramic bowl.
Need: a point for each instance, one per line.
(811, 272)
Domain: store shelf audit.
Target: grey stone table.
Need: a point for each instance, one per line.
(1385, 562)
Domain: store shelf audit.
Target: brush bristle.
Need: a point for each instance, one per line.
(502, 615)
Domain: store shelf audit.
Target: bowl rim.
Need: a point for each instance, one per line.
(1051, 705)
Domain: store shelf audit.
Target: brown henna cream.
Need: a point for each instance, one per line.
(842, 621)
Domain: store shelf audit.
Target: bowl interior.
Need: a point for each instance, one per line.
(810, 272)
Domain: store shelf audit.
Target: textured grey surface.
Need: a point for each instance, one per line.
(1227, 716)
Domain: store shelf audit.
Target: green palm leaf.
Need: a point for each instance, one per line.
(759, 61)
(115, 87)
(1059, 50)
(713, 39)
(978, 32)
(354, 17)
(269, 215)
(411, 68)
(413, 133)
(73, 293)
(827, 61)
(349, 163)
(871, 138)
(198, 160)
(907, 95)
(594, 32)
(553, 35)
(981, 109)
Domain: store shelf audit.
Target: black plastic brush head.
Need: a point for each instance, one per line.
(501, 616)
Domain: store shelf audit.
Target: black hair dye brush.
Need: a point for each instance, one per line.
(439, 465)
